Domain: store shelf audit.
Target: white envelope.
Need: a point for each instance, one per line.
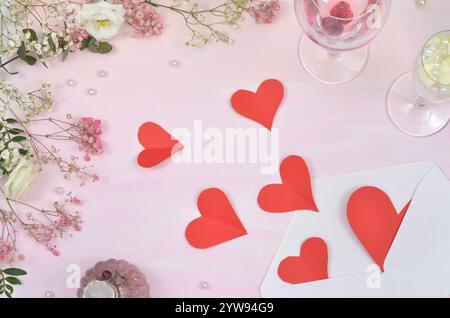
(418, 263)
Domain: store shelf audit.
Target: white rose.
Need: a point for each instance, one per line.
(102, 20)
(20, 179)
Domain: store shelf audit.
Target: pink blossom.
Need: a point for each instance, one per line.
(264, 11)
(144, 19)
(90, 132)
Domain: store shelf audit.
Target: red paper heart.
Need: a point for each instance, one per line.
(262, 105)
(294, 193)
(159, 145)
(374, 220)
(218, 222)
(311, 265)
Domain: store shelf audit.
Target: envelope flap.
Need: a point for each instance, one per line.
(421, 247)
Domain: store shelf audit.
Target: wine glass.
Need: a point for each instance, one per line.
(334, 48)
(418, 103)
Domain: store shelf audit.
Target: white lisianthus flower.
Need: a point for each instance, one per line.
(102, 19)
(20, 179)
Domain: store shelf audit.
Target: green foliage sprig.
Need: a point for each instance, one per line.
(8, 278)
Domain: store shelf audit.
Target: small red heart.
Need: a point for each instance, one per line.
(294, 193)
(262, 105)
(374, 220)
(311, 265)
(159, 145)
(218, 222)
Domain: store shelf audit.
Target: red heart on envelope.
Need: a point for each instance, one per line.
(159, 145)
(218, 222)
(262, 105)
(294, 193)
(311, 265)
(375, 221)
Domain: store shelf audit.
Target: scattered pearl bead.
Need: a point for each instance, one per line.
(421, 3)
(204, 285)
(175, 63)
(103, 74)
(92, 92)
(71, 82)
(49, 294)
(59, 190)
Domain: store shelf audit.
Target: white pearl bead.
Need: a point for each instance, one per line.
(103, 74)
(59, 190)
(49, 294)
(421, 3)
(92, 91)
(71, 82)
(175, 63)
(204, 285)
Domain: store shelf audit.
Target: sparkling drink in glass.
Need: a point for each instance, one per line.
(418, 103)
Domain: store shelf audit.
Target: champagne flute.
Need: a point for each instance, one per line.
(334, 48)
(418, 103)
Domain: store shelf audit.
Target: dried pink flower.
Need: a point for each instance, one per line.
(264, 11)
(145, 20)
(90, 132)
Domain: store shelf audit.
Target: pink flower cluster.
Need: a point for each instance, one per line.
(264, 11)
(77, 34)
(145, 20)
(90, 130)
(7, 252)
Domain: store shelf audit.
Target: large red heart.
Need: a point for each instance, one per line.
(294, 193)
(262, 105)
(159, 145)
(311, 265)
(374, 220)
(218, 222)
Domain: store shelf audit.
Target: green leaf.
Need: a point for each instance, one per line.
(9, 288)
(11, 121)
(86, 42)
(104, 47)
(14, 271)
(23, 152)
(33, 35)
(13, 280)
(93, 48)
(18, 139)
(30, 60)
(8, 294)
(22, 51)
(15, 131)
(65, 55)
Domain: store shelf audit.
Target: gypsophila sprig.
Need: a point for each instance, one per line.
(204, 23)
(23, 154)
(40, 30)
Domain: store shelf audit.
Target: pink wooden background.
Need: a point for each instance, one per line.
(140, 215)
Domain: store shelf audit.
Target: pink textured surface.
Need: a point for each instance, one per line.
(140, 215)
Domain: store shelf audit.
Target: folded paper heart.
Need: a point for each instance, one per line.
(311, 265)
(218, 222)
(262, 105)
(294, 193)
(375, 221)
(159, 145)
